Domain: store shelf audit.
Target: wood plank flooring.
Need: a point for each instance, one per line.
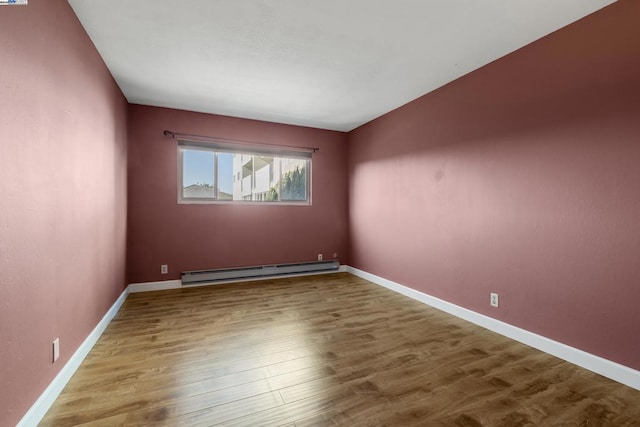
(329, 350)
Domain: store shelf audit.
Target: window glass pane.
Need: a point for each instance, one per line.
(243, 170)
(255, 177)
(294, 179)
(209, 174)
(265, 181)
(197, 174)
(226, 176)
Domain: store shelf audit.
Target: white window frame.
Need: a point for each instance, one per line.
(227, 148)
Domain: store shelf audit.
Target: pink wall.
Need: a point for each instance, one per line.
(521, 178)
(197, 236)
(62, 195)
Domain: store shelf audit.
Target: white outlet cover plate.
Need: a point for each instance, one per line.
(56, 349)
(495, 302)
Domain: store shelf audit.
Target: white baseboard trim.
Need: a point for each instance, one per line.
(615, 371)
(38, 410)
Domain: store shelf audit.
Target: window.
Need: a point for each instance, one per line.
(225, 173)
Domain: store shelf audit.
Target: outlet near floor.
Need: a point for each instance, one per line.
(494, 300)
(56, 349)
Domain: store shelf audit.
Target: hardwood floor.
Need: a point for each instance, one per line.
(322, 351)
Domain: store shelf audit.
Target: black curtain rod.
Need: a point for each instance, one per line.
(178, 135)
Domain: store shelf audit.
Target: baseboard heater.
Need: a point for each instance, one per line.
(224, 274)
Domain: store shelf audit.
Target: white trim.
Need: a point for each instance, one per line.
(41, 406)
(615, 371)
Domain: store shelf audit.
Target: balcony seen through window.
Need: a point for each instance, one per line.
(226, 174)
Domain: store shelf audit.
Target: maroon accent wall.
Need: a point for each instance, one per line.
(521, 178)
(201, 236)
(62, 195)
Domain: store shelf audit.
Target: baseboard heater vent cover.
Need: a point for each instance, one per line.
(225, 274)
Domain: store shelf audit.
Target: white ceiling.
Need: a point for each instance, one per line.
(331, 64)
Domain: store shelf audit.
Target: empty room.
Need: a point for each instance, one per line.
(330, 213)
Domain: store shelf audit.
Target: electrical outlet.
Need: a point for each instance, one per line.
(335, 254)
(164, 269)
(56, 349)
(319, 257)
(495, 302)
